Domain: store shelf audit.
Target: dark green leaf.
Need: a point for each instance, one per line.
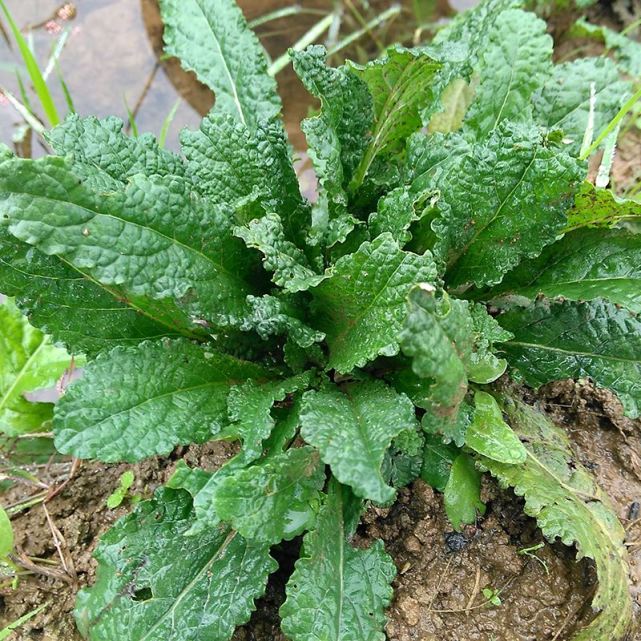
(153, 239)
(74, 309)
(353, 428)
(212, 39)
(250, 407)
(516, 61)
(438, 458)
(557, 340)
(337, 592)
(501, 202)
(154, 583)
(135, 402)
(361, 307)
(399, 83)
(274, 500)
(292, 271)
(563, 102)
(462, 494)
(584, 265)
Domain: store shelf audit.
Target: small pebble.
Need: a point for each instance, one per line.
(455, 541)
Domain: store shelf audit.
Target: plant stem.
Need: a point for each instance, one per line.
(612, 124)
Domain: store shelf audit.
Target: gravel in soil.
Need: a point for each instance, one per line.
(544, 595)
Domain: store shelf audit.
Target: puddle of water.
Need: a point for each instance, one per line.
(110, 58)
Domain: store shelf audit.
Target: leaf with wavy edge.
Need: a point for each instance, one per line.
(563, 339)
(337, 592)
(568, 504)
(212, 39)
(584, 265)
(153, 582)
(361, 306)
(274, 500)
(135, 402)
(353, 429)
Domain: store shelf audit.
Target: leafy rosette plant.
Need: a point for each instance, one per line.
(350, 345)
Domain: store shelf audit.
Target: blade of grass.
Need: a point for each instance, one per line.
(12, 627)
(167, 123)
(27, 115)
(133, 127)
(56, 52)
(307, 39)
(24, 96)
(609, 148)
(39, 84)
(612, 124)
(65, 90)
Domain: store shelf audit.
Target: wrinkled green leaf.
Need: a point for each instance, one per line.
(272, 316)
(150, 240)
(403, 460)
(584, 265)
(28, 362)
(273, 500)
(101, 143)
(396, 212)
(438, 458)
(483, 366)
(250, 407)
(337, 136)
(515, 62)
(451, 428)
(212, 39)
(142, 401)
(60, 301)
(291, 269)
(567, 503)
(557, 340)
(398, 83)
(154, 583)
(563, 102)
(353, 428)
(437, 336)
(361, 307)
(337, 592)
(462, 494)
(502, 201)
(489, 435)
(234, 166)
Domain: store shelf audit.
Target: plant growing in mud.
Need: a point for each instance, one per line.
(349, 345)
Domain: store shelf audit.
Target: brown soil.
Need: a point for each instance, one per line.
(438, 590)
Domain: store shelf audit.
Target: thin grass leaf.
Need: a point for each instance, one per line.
(39, 83)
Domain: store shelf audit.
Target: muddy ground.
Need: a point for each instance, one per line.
(438, 590)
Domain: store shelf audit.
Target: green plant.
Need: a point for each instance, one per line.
(116, 498)
(29, 362)
(332, 340)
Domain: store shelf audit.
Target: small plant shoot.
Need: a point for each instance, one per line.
(350, 345)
